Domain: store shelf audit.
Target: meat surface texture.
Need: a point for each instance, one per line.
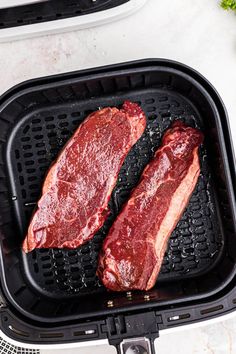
(78, 186)
(134, 248)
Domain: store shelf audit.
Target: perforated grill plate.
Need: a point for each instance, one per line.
(195, 243)
(27, 351)
(7, 348)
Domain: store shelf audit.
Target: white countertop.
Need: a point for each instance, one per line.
(197, 33)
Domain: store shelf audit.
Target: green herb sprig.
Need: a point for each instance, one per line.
(228, 4)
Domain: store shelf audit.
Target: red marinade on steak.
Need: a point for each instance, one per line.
(134, 248)
(78, 186)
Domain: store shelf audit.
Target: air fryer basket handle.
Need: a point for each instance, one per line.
(142, 345)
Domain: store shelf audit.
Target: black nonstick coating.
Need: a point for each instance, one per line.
(196, 241)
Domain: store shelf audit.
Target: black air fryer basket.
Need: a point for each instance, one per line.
(54, 296)
(53, 10)
(30, 18)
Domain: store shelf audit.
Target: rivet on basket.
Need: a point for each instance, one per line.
(110, 303)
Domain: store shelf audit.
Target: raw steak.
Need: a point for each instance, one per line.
(133, 251)
(77, 189)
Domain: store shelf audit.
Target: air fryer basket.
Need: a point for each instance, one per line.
(60, 287)
(52, 10)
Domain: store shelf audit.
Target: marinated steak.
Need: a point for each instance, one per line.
(133, 251)
(78, 186)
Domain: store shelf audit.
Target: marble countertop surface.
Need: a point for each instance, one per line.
(197, 33)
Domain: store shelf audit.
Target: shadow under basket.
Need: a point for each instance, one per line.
(54, 296)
